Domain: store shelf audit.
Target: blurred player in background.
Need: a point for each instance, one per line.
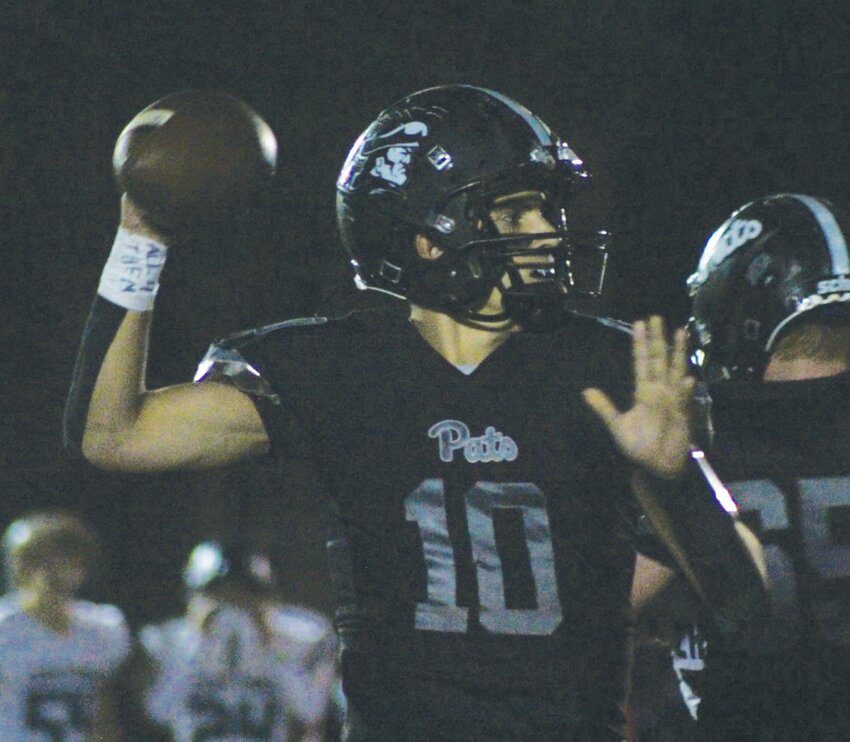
(240, 664)
(479, 438)
(771, 332)
(59, 656)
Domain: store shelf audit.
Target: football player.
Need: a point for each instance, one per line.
(477, 439)
(771, 331)
(240, 664)
(59, 656)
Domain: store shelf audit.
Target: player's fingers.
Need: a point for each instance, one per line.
(658, 350)
(640, 352)
(133, 220)
(679, 359)
(601, 404)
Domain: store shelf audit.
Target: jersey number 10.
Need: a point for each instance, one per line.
(426, 506)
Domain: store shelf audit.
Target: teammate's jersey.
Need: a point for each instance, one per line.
(50, 682)
(482, 546)
(230, 683)
(783, 449)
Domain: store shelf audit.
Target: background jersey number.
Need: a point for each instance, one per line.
(251, 717)
(60, 715)
(824, 505)
(426, 507)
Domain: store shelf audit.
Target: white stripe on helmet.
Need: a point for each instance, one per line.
(831, 231)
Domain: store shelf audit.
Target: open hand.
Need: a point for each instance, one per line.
(655, 433)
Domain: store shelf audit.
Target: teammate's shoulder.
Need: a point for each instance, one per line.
(106, 625)
(10, 608)
(101, 615)
(156, 636)
(300, 624)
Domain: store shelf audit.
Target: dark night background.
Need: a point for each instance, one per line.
(683, 110)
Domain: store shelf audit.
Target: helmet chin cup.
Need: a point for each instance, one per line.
(538, 285)
(536, 308)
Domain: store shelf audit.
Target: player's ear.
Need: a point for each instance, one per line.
(426, 249)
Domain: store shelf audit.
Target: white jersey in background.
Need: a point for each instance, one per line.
(50, 682)
(227, 684)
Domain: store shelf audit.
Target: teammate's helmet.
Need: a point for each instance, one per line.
(771, 262)
(32, 539)
(431, 164)
(213, 562)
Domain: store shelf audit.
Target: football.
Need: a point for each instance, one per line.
(194, 158)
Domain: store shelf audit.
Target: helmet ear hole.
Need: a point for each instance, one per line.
(426, 247)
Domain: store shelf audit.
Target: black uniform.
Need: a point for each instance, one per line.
(784, 451)
(482, 546)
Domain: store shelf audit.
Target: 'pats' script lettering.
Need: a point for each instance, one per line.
(453, 435)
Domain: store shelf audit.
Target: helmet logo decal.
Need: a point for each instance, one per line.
(391, 166)
(728, 238)
(739, 232)
(453, 435)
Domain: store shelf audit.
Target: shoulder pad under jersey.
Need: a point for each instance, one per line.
(301, 624)
(224, 362)
(614, 324)
(8, 607)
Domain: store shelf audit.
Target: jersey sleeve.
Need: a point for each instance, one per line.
(268, 371)
(308, 669)
(111, 624)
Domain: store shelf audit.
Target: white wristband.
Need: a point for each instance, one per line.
(130, 277)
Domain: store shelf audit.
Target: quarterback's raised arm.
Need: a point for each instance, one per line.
(110, 415)
(192, 158)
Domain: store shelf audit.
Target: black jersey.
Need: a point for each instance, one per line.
(784, 451)
(482, 546)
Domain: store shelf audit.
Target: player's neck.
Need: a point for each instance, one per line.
(48, 608)
(459, 343)
(800, 369)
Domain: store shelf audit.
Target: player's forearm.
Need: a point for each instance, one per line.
(108, 381)
(705, 541)
(118, 391)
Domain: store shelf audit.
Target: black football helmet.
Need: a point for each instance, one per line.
(432, 164)
(771, 262)
(212, 562)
